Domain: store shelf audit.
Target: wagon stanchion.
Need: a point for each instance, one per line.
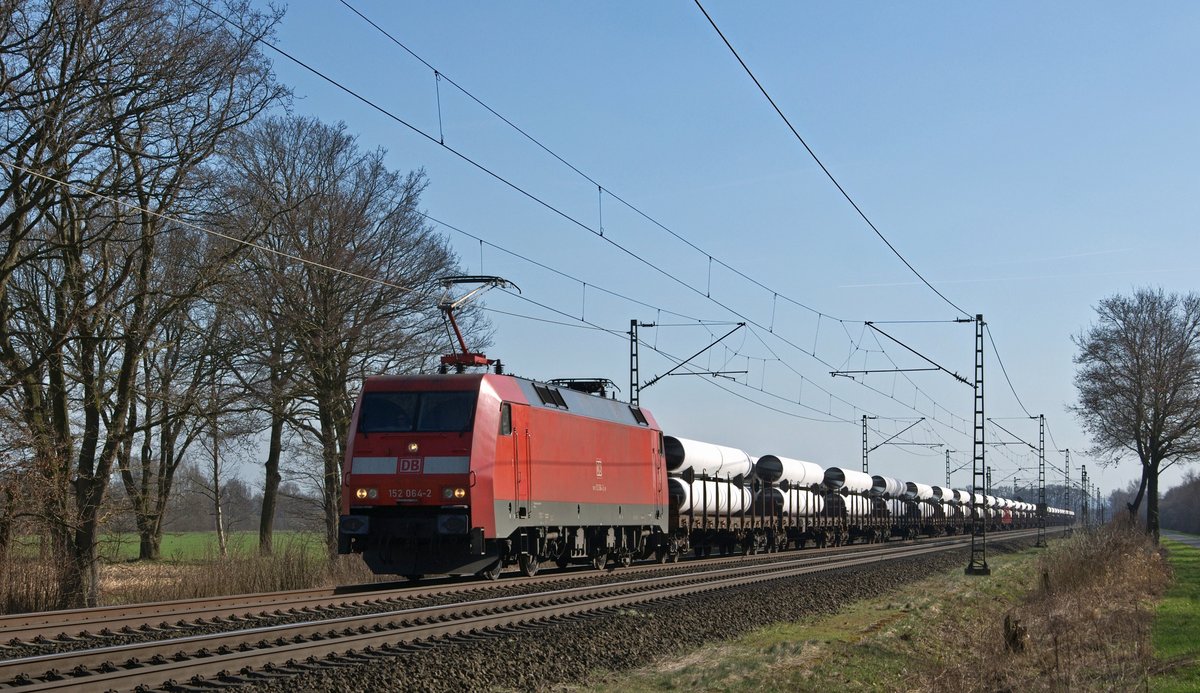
(727, 532)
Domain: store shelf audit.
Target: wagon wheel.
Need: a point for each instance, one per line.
(492, 572)
(529, 564)
(675, 557)
(599, 561)
(661, 554)
(625, 559)
(416, 577)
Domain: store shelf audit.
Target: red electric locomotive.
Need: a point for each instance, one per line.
(469, 473)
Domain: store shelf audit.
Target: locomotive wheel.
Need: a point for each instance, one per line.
(600, 561)
(529, 565)
(492, 572)
(625, 559)
(562, 560)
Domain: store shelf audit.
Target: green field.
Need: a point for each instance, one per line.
(1177, 623)
(186, 547)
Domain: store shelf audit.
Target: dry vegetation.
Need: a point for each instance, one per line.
(1079, 616)
(28, 584)
(1085, 625)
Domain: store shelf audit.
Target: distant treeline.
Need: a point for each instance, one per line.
(1180, 506)
(191, 508)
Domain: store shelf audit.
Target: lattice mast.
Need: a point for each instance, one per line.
(978, 563)
(1041, 507)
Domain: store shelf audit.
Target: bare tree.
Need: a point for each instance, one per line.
(186, 357)
(364, 300)
(110, 108)
(1139, 385)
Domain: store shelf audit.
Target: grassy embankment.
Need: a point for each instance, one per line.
(1177, 625)
(191, 566)
(1079, 618)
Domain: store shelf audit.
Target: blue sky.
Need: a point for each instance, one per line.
(1028, 159)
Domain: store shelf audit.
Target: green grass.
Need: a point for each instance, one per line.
(184, 547)
(189, 547)
(1176, 635)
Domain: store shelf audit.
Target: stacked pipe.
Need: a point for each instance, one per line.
(800, 479)
(703, 477)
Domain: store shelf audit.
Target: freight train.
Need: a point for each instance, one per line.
(475, 473)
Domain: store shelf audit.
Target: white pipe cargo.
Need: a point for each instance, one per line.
(915, 491)
(704, 458)
(773, 468)
(838, 479)
(707, 497)
(886, 486)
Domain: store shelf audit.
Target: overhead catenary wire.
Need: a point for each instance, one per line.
(196, 227)
(591, 180)
(602, 189)
(576, 222)
(562, 214)
(824, 169)
(184, 223)
(996, 353)
(325, 267)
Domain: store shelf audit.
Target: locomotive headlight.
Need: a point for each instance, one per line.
(449, 492)
(360, 494)
(372, 493)
(460, 493)
(412, 447)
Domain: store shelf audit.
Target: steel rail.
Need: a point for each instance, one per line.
(73, 624)
(154, 663)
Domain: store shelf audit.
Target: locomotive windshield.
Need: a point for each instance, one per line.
(416, 412)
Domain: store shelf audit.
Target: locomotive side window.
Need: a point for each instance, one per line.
(505, 419)
(423, 412)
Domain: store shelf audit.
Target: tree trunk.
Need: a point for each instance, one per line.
(1137, 500)
(332, 495)
(149, 538)
(1152, 502)
(331, 455)
(6, 522)
(266, 523)
(218, 515)
(82, 580)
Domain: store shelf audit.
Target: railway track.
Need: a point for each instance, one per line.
(68, 626)
(250, 654)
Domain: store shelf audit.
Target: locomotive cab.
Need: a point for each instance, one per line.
(407, 479)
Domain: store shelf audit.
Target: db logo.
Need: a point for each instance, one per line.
(411, 465)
